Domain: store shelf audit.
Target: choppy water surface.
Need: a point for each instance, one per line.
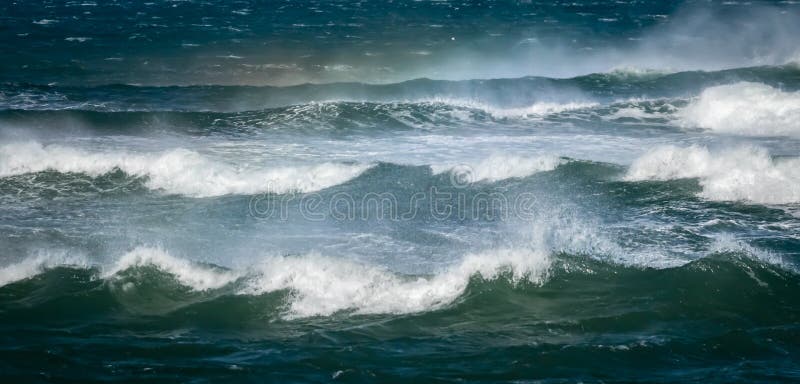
(403, 191)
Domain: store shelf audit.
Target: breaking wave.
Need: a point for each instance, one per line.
(500, 167)
(740, 174)
(197, 276)
(538, 109)
(38, 263)
(177, 171)
(318, 285)
(302, 286)
(323, 286)
(745, 108)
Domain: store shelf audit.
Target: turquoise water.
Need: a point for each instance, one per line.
(400, 191)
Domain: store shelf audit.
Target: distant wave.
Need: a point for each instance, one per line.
(177, 171)
(539, 109)
(740, 174)
(501, 97)
(343, 116)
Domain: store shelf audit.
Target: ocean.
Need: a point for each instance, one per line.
(200, 191)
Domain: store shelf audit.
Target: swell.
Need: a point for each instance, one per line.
(318, 118)
(736, 108)
(508, 93)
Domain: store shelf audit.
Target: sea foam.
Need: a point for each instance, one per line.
(37, 263)
(739, 174)
(190, 274)
(539, 109)
(744, 108)
(322, 286)
(318, 285)
(176, 171)
(500, 167)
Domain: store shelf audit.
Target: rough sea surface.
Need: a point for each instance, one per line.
(399, 191)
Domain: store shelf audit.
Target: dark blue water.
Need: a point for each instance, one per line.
(497, 191)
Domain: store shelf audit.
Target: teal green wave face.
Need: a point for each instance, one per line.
(404, 191)
(583, 308)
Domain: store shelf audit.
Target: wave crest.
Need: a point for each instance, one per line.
(322, 286)
(741, 174)
(38, 263)
(177, 171)
(500, 167)
(745, 108)
(193, 275)
(310, 285)
(538, 109)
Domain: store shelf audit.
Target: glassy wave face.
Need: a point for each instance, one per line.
(392, 192)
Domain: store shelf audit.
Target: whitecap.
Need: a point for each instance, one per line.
(539, 109)
(37, 264)
(740, 174)
(196, 276)
(322, 286)
(500, 167)
(745, 108)
(176, 171)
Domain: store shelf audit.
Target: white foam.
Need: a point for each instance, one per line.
(539, 109)
(500, 167)
(794, 60)
(739, 174)
(178, 171)
(728, 243)
(642, 110)
(745, 108)
(629, 113)
(322, 286)
(189, 274)
(37, 264)
(78, 39)
(627, 71)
